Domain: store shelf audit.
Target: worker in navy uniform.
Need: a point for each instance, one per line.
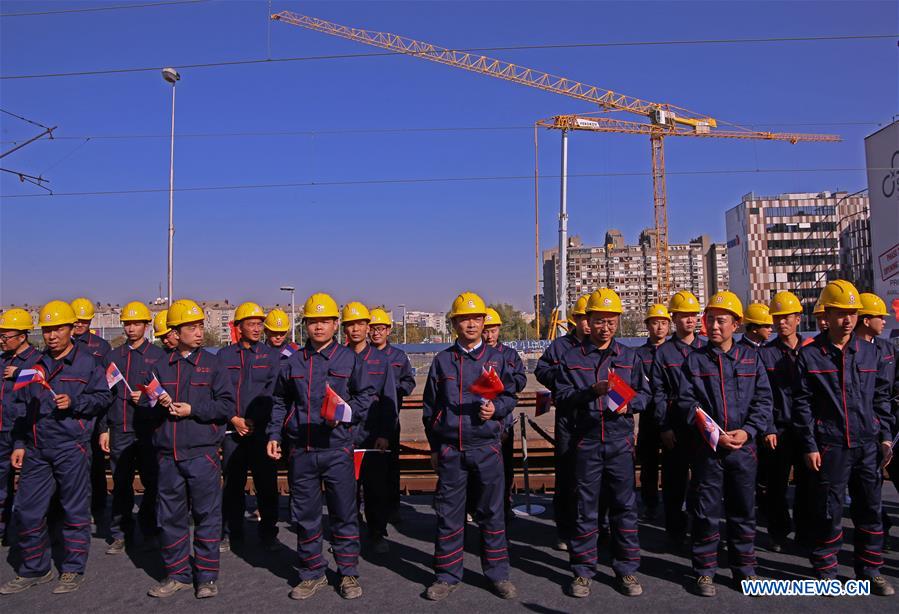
(378, 428)
(17, 354)
(189, 423)
(781, 453)
(757, 325)
(98, 347)
(519, 379)
(464, 431)
(320, 449)
(842, 416)
(277, 329)
(603, 439)
(166, 336)
(649, 445)
(52, 433)
(379, 334)
(666, 380)
(253, 366)
(871, 324)
(728, 382)
(547, 371)
(128, 438)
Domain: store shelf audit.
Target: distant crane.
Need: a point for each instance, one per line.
(663, 120)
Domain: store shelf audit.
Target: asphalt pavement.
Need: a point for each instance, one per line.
(257, 581)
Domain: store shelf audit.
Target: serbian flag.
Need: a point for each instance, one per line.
(544, 401)
(114, 376)
(153, 390)
(619, 394)
(35, 375)
(335, 408)
(708, 428)
(289, 349)
(488, 386)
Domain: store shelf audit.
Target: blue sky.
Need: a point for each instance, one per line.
(392, 243)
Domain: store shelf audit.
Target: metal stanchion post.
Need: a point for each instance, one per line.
(528, 509)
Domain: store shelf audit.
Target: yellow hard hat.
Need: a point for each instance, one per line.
(380, 316)
(248, 310)
(354, 311)
(320, 305)
(468, 304)
(784, 303)
(135, 311)
(277, 321)
(840, 294)
(604, 299)
(757, 313)
(819, 308)
(657, 311)
(872, 305)
(160, 324)
(683, 301)
(580, 306)
(83, 308)
(16, 319)
(55, 313)
(492, 318)
(728, 301)
(184, 311)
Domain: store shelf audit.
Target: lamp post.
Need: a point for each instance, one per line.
(293, 315)
(171, 76)
(404, 324)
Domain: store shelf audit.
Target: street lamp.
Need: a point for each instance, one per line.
(293, 315)
(171, 76)
(404, 323)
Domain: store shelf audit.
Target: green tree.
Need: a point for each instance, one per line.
(211, 339)
(514, 325)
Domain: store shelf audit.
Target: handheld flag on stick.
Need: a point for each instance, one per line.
(544, 401)
(153, 390)
(35, 375)
(114, 376)
(488, 386)
(619, 394)
(708, 428)
(335, 408)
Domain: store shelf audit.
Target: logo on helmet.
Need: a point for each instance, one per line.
(851, 298)
(471, 304)
(319, 307)
(607, 301)
(719, 299)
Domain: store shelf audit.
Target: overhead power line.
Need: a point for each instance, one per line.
(426, 180)
(104, 8)
(313, 132)
(347, 56)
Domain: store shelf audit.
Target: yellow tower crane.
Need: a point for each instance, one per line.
(663, 119)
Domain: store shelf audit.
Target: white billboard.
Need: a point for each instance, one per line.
(882, 156)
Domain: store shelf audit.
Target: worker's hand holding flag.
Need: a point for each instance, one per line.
(708, 428)
(114, 376)
(334, 408)
(488, 386)
(35, 375)
(619, 394)
(153, 389)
